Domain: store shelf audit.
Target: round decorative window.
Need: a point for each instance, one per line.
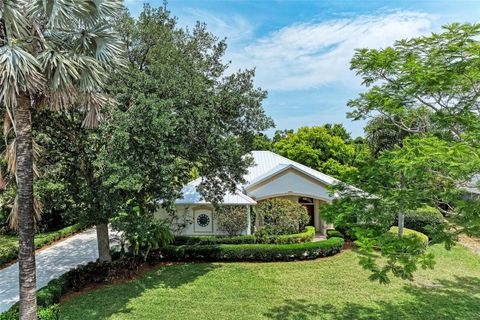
(203, 220)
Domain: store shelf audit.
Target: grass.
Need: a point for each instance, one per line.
(330, 288)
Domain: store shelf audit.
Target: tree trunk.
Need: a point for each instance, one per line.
(103, 242)
(24, 173)
(401, 219)
(401, 215)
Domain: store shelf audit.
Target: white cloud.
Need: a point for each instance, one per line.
(235, 27)
(308, 55)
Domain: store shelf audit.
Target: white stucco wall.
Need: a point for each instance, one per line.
(189, 213)
(289, 182)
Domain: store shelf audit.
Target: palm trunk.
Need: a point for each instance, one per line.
(103, 242)
(24, 173)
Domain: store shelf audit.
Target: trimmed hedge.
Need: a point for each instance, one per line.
(305, 236)
(422, 217)
(251, 252)
(7, 255)
(209, 240)
(334, 233)
(411, 233)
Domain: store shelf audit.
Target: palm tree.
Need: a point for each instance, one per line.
(53, 54)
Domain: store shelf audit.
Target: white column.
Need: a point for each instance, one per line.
(316, 215)
(249, 220)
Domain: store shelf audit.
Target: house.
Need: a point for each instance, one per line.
(472, 189)
(271, 176)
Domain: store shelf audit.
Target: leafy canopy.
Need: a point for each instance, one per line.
(179, 114)
(327, 148)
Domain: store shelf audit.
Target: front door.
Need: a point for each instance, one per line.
(308, 204)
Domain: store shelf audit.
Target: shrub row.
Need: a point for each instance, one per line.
(305, 236)
(250, 252)
(411, 233)
(9, 254)
(209, 240)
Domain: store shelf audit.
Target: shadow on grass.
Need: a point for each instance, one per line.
(445, 299)
(115, 299)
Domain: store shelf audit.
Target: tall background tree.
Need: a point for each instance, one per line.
(179, 115)
(328, 148)
(53, 55)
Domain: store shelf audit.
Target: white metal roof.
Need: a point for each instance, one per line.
(192, 196)
(266, 164)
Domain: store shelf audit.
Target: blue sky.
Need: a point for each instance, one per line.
(301, 49)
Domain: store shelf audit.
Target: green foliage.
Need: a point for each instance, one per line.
(232, 219)
(206, 240)
(9, 253)
(281, 216)
(263, 236)
(252, 252)
(334, 233)
(423, 219)
(425, 170)
(48, 313)
(262, 142)
(402, 254)
(142, 232)
(179, 112)
(423, 74)
(321, 148)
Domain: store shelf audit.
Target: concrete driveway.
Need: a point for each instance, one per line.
(51, 263)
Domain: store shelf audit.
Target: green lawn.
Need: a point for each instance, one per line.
(330, 288)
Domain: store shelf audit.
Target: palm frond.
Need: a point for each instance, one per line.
(13, 221)
(60, 68)
(92, 75)
(11, 157)
(12, 14)
(7, 126)
(57, 13)
(93, 102)
(3, 182)
(19, 72)
(103, 10)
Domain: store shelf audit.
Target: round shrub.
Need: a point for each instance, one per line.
(422, 217)
(282, 216)
(232, 219)
(334, 233)
(411, 233)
